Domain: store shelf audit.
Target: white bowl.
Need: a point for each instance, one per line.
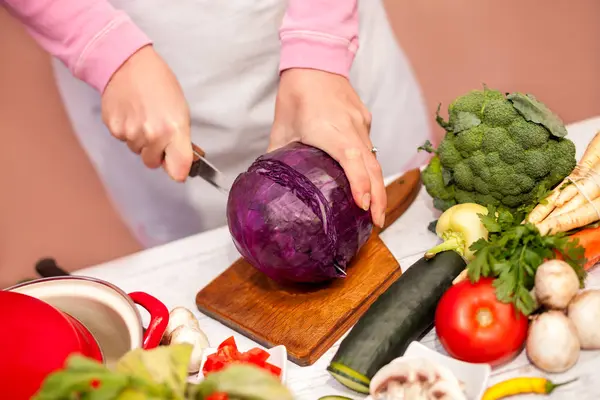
(474, 376)
(278, 358)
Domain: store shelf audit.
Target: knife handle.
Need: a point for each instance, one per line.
(198, 152)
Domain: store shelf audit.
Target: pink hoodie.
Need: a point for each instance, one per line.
(94, 39)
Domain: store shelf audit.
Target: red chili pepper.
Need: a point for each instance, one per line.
(95, 383)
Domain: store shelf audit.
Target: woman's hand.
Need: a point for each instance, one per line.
(143, 105)
(323, 110)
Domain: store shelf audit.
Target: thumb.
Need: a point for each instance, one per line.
(178, 157)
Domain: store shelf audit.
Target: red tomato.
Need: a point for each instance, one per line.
(218, 396)
(473, 326)
(228, 349)
(229, 342)
(272, 369)
(256, 355)
(213, 363)
(228, 353)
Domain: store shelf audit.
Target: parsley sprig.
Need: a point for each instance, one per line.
(514, 251)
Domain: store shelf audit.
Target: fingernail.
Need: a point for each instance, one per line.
(366, 201)
(382, 220)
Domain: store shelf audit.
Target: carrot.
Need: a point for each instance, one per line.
(590, 158)
(589, 239)
(578, 218)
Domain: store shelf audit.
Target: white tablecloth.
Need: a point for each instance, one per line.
(175, 272)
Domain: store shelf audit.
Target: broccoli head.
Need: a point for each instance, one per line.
(502, 150)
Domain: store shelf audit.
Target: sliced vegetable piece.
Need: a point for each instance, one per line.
(229, 342)
(334, 398)
(275, 370)
(349, 378)
(403, 313)
(256, 355)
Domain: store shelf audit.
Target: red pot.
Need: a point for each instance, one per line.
(50, 319)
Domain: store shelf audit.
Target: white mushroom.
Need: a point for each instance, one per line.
(584, 311)
(195, 337)
(179, 316)
(552, 343)
(556, 283)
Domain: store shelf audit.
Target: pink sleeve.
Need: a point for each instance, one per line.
(91, 37)
(320, 34)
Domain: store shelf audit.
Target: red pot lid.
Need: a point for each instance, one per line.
(35, 340)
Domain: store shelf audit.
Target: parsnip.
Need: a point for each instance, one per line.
(575, 202)
(590, 159)
(582, 216)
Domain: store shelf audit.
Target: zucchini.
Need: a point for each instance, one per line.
(400, 315)
(334, 398)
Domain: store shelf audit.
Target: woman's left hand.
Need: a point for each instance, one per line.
(322, 109)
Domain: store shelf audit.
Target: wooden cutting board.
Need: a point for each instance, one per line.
(308, 320)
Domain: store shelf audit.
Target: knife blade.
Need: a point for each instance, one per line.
(202, 168)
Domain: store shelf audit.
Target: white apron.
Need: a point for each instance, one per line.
(226, 56)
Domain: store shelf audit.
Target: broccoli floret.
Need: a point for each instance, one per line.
(447, 152)
(433, 179)
(494, 153)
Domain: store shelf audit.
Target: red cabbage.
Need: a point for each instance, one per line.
(292, 216)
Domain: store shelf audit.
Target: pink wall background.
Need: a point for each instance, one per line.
(52, 203)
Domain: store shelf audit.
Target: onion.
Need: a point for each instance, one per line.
(552, 342)
(556, 283)
(293, 217)
(584, 311)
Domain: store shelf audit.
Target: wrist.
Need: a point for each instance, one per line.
(329, 55)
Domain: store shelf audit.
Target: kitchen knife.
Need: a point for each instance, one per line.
(205, 170)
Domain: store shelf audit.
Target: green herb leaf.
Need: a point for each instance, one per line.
(512, 254)
(535, 111)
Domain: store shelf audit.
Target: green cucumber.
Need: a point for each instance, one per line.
(402, 314)
(334, 398)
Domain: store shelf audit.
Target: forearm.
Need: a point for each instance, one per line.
(90, 37)
(320, 34)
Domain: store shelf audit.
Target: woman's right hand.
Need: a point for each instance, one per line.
(144, 106)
